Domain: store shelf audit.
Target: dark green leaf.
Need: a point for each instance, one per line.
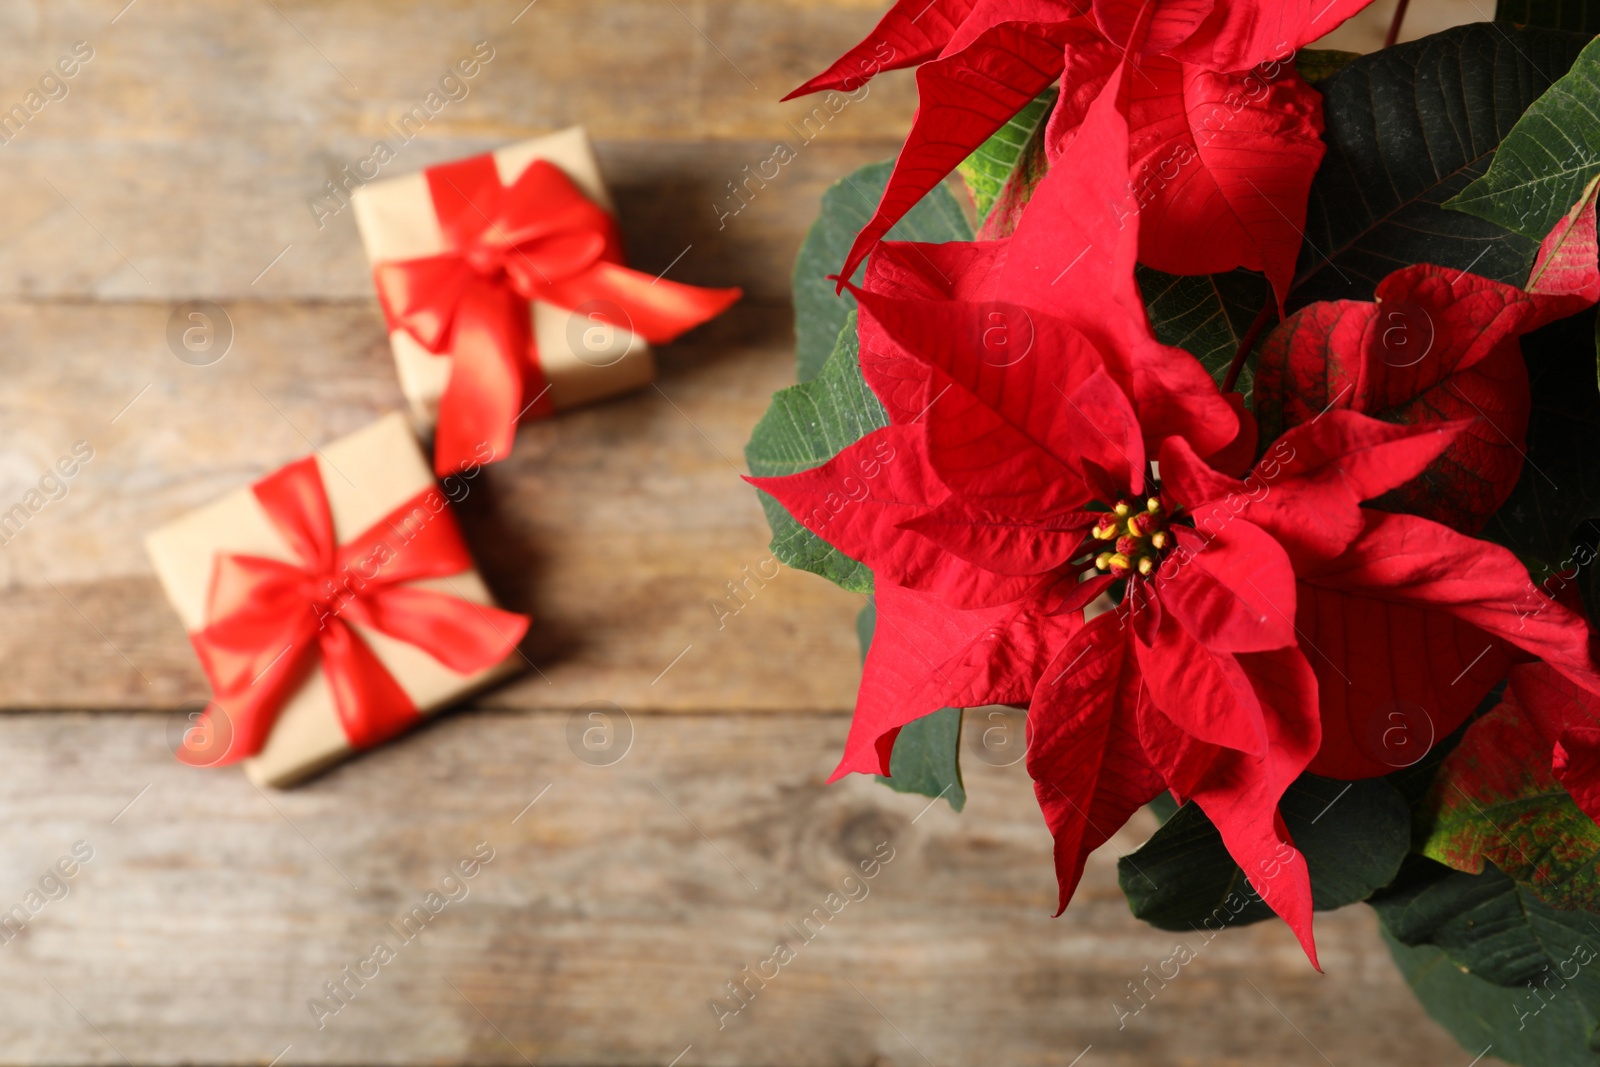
(1163, 807)
(1183, 877)
(1493, 927)
(1514, 1025)
(1353, 834)
(987, 170)
(1587, 546)
(926, 760)
(1580, 16)
(1208, 315)
(1560, 483)
(807, 425)
(1407, 129)
(1493, 964)
(1550, 155)
(1319, 64)
(927, 753)
(819, 312)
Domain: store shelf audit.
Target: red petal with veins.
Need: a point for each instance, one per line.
(1567, 717)
(1221, 164)
(1416, 621)
(1089, 770)
(857, 500)
(1234, 591)
(1245, 33)
(1019, 411)
(1071, 259)
(913, 32)
(988, 14)
(950, 270)
(1001, 544)
(962, 100)
(1240, 453)
(1575, 761)
(1307, 490)
(924, 657)
(1437, 345)
(1222, 167)
(1553, 702)
(1171, 22)
(1566, 273)
(1240, 792)
(1203, 692)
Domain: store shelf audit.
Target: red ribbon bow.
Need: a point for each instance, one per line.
(270, 622)
(540, 239)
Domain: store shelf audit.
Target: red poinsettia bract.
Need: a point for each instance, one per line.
(1566, 720)
(1225, 134)
(1433, 345)
(978, 518)
(1048, 460)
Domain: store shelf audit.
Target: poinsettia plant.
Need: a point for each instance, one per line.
(1240, 426)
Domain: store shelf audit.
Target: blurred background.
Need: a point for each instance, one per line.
(200, 153)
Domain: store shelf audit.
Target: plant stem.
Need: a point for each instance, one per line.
(1246, 343)
(1394, 24)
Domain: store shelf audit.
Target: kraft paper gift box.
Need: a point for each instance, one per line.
(365, 477)
(581, 363)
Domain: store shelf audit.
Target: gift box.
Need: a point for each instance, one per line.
(503, 286)
(333, 604)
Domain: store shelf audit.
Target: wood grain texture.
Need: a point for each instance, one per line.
(613, 911)
(618, 527)
(186, 154)
(182, 164)
(174, 222)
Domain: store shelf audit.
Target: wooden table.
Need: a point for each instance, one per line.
(181, 165)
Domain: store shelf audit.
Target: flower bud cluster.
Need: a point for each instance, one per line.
(1139, 537)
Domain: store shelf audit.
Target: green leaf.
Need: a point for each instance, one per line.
(1408, 128)
(1559, 488)
(1514, 1024)
(819, 312)
(927, 752)
(1495, 800)
(1163, 807)
(1495, 928)
(1319, 64)
(810, 423)
(807, 425)
(987, 170)
(1580, 16)
(1208, 315)
(1494, 964)
(1547, 159)
(1354, 836)
(866, 623)
(926, 758)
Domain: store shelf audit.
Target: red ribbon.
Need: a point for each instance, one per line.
(540, 239)
(269, 623)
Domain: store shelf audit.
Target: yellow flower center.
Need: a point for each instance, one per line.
(1139, 536)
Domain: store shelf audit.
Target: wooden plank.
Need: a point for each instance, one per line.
(121, 192)
(632, 69)
(614, 909)
(619, 527)
(124, 190)
(110, 220)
